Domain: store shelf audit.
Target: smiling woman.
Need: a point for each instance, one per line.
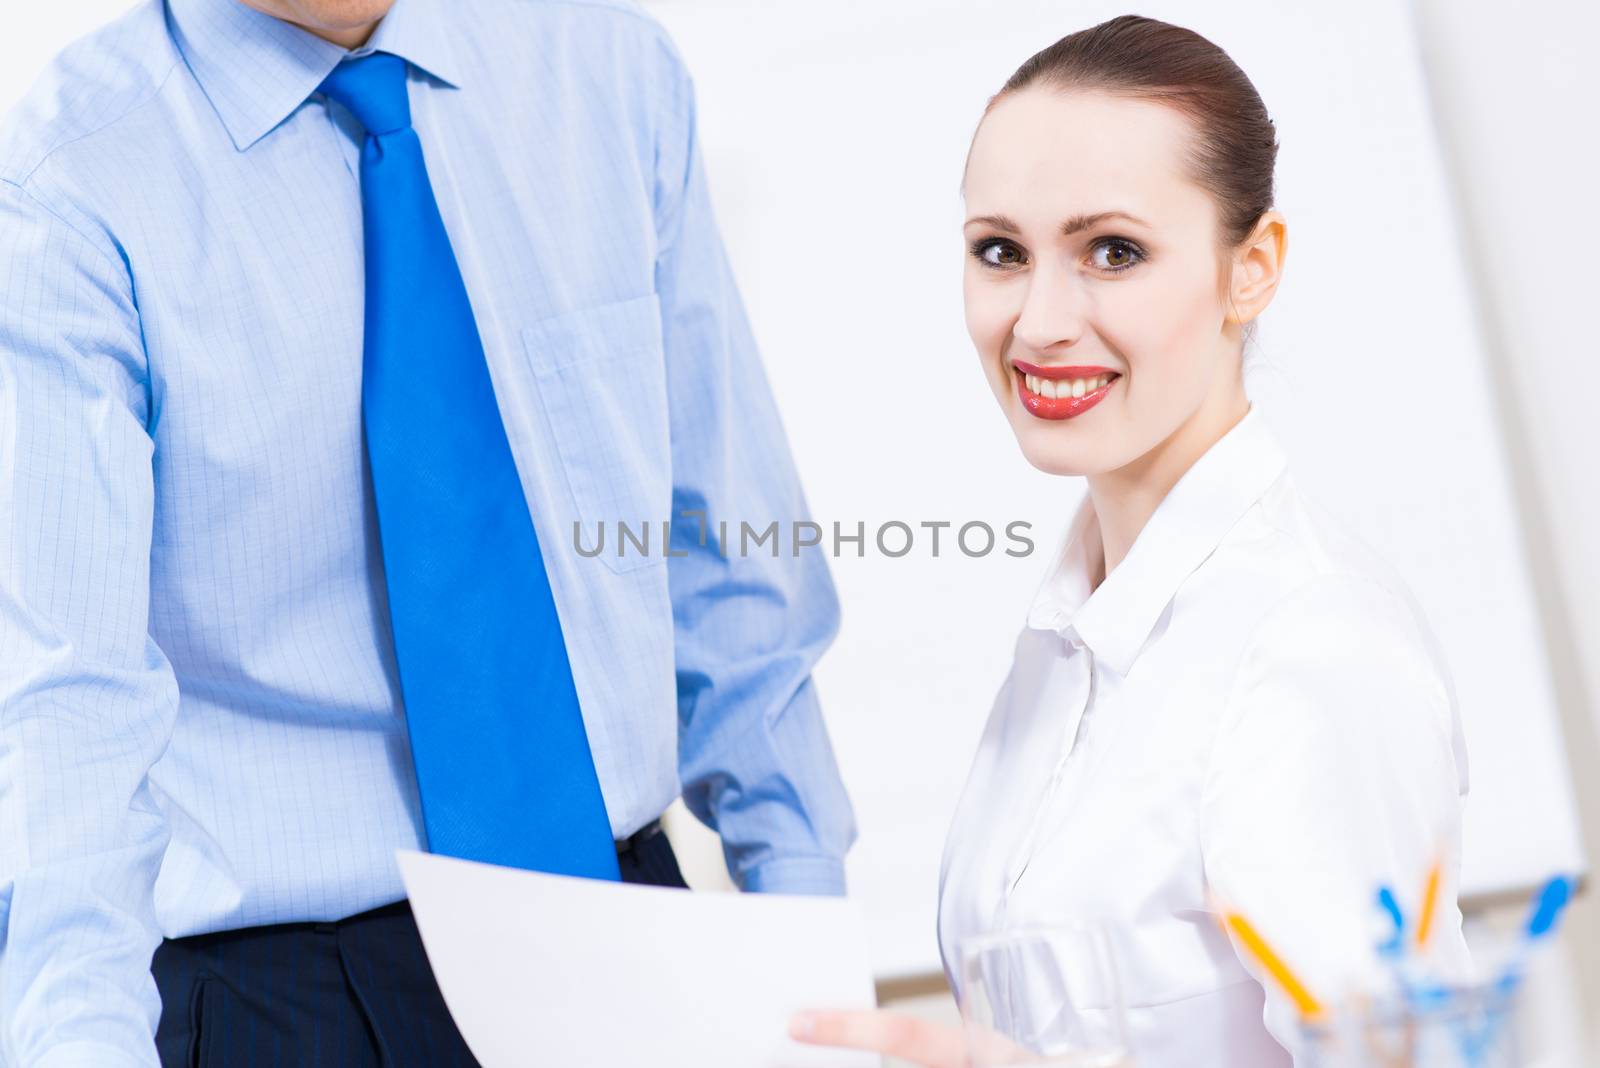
(1120, 191)
(1220, 697)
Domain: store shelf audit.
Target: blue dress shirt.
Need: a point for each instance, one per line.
(200, 718)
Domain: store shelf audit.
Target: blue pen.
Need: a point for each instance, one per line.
(1392, 949)
(1547, 908)
(1386, 901)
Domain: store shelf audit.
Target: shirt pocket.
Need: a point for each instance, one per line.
(600, 372)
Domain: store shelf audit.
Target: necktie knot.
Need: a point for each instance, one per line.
(374, 89)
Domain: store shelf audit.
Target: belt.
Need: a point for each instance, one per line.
(623, 846)
(637, 838)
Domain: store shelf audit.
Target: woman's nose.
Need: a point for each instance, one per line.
(1052, 314)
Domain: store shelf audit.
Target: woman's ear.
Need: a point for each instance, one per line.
(1257, 267)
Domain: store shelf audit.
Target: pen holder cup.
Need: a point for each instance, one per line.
(1454, 1027)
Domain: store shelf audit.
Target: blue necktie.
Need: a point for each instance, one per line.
(497, 737)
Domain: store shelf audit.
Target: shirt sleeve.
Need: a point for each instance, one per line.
(1337, 768)
(87, 700)
(755, 757)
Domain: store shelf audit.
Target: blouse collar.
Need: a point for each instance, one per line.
(1115, 620)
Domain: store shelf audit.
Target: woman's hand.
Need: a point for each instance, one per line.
(892, 1034)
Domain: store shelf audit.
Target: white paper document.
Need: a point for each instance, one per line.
(547, 971)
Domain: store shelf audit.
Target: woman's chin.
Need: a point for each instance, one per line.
(1048, 449)
(1057, 461)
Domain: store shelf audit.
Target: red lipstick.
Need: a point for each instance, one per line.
(1060, 407)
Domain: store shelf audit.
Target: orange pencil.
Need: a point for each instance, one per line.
(1430, 901)
(1251, 939)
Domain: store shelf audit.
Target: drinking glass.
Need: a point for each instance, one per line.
(1046, 996)
(1470, 1026)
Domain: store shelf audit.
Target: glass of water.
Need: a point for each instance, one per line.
(1046, 996)
(1452, 1027)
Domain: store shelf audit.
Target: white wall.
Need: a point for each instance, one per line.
(30, 33)
(1515, 97)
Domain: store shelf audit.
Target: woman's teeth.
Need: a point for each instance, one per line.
(1061, 387)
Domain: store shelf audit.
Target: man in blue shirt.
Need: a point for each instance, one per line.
(325, 326)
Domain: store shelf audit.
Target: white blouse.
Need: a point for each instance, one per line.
(1250, 709)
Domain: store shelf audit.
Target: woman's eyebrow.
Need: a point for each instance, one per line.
(1083, 222)
(1073, 224)
(997, 222)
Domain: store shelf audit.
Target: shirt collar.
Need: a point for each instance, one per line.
(1115, 619)
(256, 69)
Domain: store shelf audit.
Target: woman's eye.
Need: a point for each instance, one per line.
(998, 253)
(1115, 254)
(1110, 254)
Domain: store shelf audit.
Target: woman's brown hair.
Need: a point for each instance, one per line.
(1235, 147)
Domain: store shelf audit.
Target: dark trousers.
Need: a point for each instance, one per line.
(355, 993)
